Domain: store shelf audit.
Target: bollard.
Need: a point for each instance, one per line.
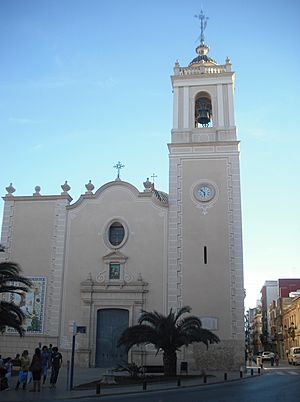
(241, 374)
(144, 385)
(225, 376)
(258, 370)
(204, 379)
(251, 371)
(98, 388)
(178, 382)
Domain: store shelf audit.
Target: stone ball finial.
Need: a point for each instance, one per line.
(10, 190)
(90, 187)
(65, 187)
(37, 190)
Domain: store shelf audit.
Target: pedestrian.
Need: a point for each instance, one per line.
(7, 364)
(45, 363)
(250, 358)
(3, 379)
(272, 361)
(56, 361)
(24, 368)
(277, 359)
(50, 351)
(36, 370)
(16, 362)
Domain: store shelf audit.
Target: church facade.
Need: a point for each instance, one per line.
(97, 262)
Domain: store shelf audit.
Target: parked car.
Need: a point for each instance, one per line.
(267, 356)
(294, 356)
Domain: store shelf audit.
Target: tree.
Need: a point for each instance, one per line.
(168, 334)
(11, 281)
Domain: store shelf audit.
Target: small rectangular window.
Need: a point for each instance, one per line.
(205, 255)
(114, 271)
(211, 323)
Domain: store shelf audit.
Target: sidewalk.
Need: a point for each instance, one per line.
(87, 375)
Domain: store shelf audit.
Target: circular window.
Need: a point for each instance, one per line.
(116, 233)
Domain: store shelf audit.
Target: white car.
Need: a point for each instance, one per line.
(294, 356)
(267, 356)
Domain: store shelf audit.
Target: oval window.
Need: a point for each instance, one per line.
(116, 233)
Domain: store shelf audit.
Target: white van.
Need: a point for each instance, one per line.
(294, 355)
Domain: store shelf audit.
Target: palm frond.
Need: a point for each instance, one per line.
(11, 316)
(181, 311)
(188, 322)
(11, 281)
(203, 335)
(153, 318)
(137, 335)
(10, 272)
(13, 289)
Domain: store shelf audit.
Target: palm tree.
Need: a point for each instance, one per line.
(11, 315)
(167, 333)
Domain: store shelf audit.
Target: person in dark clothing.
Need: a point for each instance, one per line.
(56, 361)
(45, 363)
(3, 379)
(36, 370)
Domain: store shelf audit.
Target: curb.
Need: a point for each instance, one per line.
(141, 391)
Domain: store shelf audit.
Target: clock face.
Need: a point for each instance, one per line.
(204, 192)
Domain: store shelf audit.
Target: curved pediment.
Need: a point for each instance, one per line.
(116, 183)
(157, 197)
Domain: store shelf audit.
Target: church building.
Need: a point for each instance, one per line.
(96, 263)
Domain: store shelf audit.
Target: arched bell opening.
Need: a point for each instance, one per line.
(203, 110)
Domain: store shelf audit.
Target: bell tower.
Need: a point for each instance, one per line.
(205, 264)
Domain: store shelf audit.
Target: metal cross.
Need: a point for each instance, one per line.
(153, 177)
(203, 19)
(119, 166)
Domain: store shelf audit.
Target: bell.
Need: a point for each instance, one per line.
(203, 111)
(203, 117)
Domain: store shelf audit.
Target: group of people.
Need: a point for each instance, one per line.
(274, 359)
(34, 369)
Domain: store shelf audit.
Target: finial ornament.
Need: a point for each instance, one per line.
(10, 190)
(147, 185)
(90, 187)
(65, 187)
(119, 166)
(203, 20)
(37, 190)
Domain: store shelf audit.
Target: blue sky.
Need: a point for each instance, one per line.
(86, 83)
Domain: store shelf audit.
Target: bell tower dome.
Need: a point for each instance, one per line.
(203, 98)
(205, 264)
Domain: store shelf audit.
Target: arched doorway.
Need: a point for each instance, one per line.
(110, 324)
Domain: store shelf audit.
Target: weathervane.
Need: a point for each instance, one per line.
(203, 19)
(119, 166)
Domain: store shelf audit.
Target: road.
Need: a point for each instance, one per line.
(280, 384)
(275, 385)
